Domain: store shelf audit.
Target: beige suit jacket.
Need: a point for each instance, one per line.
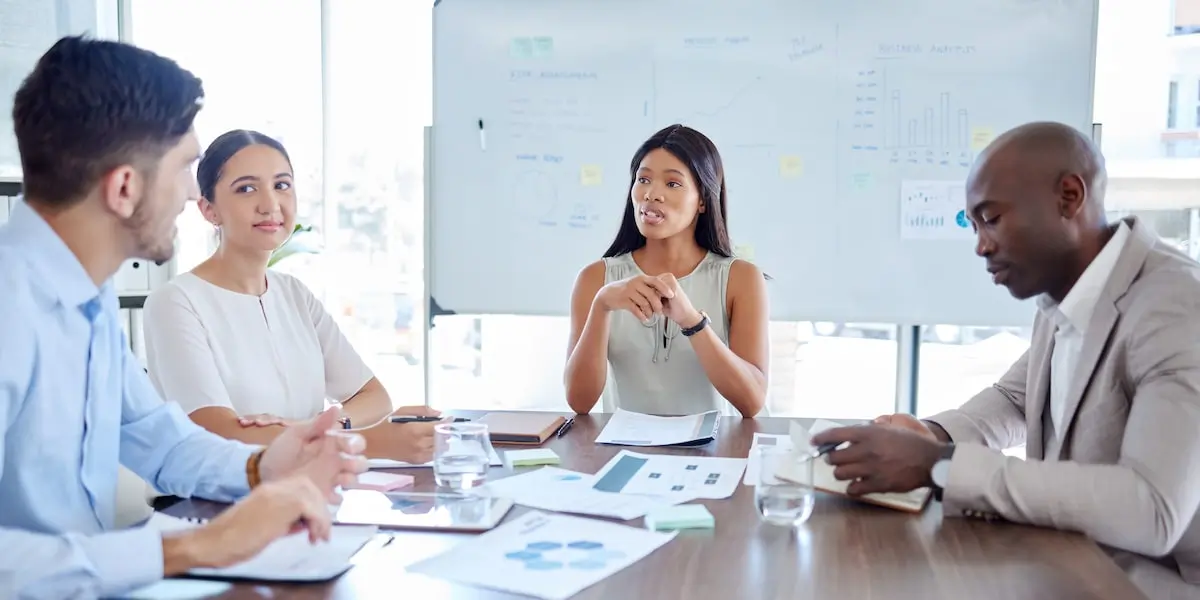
(1126, 469)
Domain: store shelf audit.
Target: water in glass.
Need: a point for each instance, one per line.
(785, 502)
(461, 455)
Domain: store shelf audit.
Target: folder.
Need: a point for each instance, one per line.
(521, 428)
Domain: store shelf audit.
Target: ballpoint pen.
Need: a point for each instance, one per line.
(423, 419)
(562, 429)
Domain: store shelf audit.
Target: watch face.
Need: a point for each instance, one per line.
(940, 473)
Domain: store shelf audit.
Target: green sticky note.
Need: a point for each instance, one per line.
(861, 181)
(521, 47)
(543, 47)
(684, 516)
(532, 457)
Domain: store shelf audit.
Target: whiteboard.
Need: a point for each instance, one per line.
(27, 30)
(847, 128)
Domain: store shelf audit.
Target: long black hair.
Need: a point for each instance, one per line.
(703, 161)
(208, 172)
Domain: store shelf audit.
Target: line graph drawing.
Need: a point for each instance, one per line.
(724, 107)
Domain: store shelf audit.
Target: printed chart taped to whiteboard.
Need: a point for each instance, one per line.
(934, 210)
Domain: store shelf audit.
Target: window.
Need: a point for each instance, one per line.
(255, 77)
(834, 370)
(1172, 104)
(958, 362)
(374, 234)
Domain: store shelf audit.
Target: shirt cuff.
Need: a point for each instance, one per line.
(972, 469)
(234, 483)
(124, 560)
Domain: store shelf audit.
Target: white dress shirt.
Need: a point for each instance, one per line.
(280, 353)
(1071, 318)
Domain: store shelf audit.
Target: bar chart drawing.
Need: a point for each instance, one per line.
(936, 133)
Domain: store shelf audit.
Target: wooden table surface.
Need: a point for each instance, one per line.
(847, 550)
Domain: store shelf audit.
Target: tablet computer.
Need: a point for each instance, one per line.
(411, 510)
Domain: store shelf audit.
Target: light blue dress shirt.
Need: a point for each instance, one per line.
(74, 402)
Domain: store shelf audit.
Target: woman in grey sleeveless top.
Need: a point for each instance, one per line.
(669, 322)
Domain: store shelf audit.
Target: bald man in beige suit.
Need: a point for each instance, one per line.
(1107, 399)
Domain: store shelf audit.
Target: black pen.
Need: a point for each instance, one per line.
(824, 449)
(562, 429)
(413, 419)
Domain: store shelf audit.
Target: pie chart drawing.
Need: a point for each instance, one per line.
(534, 195)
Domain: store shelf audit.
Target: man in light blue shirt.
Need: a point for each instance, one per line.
(107, 147)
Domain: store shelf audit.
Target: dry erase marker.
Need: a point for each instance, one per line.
(482, 136)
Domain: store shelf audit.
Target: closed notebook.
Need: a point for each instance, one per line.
(528, 428)
(823, 479)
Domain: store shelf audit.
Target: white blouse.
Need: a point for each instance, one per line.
(280, 353)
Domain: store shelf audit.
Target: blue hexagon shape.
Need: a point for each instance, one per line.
(588, 565)
(543, 546)
(543, 565)
(523, 555)
(585, 545)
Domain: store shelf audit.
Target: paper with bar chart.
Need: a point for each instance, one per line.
(934, 210)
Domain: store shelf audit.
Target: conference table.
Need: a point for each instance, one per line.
(847, 550)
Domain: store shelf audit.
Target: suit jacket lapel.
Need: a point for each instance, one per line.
(1104, 318)
(1038, 394)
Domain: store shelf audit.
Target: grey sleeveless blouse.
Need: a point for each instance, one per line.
(652, 367)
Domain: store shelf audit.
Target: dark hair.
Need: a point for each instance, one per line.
(703, 161)
(90, 106)
(222, 149)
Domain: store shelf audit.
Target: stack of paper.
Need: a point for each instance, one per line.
(290, 558)
(560, 490)
(626, 428)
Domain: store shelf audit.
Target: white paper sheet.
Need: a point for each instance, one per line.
(544, 555)
(667, 475)
(797, 433)
(628, 428)
(934, 210)
(560, 490)
(290, 558)
(384, 463)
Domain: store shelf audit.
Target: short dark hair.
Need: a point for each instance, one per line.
(90, 106)
(700, 155)
(208, 173)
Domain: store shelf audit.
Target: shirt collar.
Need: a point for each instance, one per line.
(1076, 309)
(61, 274)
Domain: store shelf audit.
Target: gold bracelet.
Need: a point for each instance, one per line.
(253, 477)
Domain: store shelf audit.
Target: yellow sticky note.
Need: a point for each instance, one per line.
(590, 175)
(744, 252)
(791, 167)
(981, 137)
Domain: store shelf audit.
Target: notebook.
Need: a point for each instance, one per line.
(290, 558)
(525, 428)
(823, 479)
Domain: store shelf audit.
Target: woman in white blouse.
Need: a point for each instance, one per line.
(245, 350)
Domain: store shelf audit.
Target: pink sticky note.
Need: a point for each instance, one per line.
(381, 482)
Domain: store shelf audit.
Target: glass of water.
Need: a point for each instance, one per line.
(785, 501)
(461, 455)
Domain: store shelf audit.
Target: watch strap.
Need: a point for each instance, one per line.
(698, 327)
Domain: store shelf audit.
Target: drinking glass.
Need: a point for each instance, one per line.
(461, 455)
(784, 502)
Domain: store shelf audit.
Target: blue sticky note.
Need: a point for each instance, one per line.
(521, 47)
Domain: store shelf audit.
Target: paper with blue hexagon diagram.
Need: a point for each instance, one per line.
(934, 210)
(544, 555)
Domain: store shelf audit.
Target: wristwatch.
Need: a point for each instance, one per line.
(698, 327)
(940, 474)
